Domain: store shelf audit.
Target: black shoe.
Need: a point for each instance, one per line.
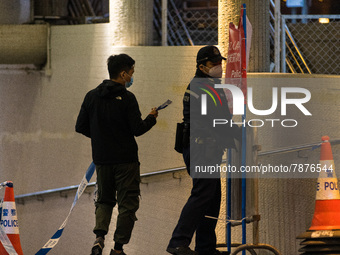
(113, 252)
(181, 251)
(98, 246)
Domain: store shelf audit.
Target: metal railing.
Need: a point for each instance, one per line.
(295, 53)
(184, 25)
(39, 194)
(308, 46)
(294, 60)
(176, 32)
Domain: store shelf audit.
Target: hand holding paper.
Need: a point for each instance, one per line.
(154, 112)
(164, 105)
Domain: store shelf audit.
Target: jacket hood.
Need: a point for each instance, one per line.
(110, 89)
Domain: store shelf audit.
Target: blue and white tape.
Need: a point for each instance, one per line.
(82, 186)
(6, 243)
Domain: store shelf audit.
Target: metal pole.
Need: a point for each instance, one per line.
(283, 45)
(277, 35)
(164, 22)
(255, 149)
(304, 11)
(48, 67)
(244, 143)
(228, 237)
(244, 181)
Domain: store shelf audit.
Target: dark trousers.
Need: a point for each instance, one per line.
(117, 184)
(204, 201)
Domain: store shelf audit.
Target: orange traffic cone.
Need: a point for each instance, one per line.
(9, 220)
(327, 204)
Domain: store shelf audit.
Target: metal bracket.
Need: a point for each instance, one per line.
(300, 156)
(20, 201)
(176, 177)
(63, 194)
(251, 247)
(39, 197)
(257, 147)
(146, 183)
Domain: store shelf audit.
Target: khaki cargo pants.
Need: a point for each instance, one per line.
(117, 184)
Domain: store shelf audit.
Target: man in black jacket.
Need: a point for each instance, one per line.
(110, 116)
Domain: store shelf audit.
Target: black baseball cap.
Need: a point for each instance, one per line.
(210, 53)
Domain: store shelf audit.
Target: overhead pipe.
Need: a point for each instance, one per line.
(23, 44)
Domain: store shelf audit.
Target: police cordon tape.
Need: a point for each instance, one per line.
(55, 238)
(6, 243)
(81, 188)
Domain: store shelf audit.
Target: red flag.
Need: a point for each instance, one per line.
(238, 57)
(234, 65)
(243, 56)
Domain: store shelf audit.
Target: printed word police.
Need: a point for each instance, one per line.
(328, 186)
(9, 223)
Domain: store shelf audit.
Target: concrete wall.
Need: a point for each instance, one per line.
(39, 149)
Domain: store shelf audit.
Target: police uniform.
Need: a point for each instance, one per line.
(204, 147)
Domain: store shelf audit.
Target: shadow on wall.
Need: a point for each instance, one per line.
(18, 101)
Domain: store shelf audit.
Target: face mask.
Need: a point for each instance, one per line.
(129, 83)
(216, 71)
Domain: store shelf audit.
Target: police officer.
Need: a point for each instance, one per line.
(206, 147)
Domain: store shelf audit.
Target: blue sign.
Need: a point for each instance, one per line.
(295, 3)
